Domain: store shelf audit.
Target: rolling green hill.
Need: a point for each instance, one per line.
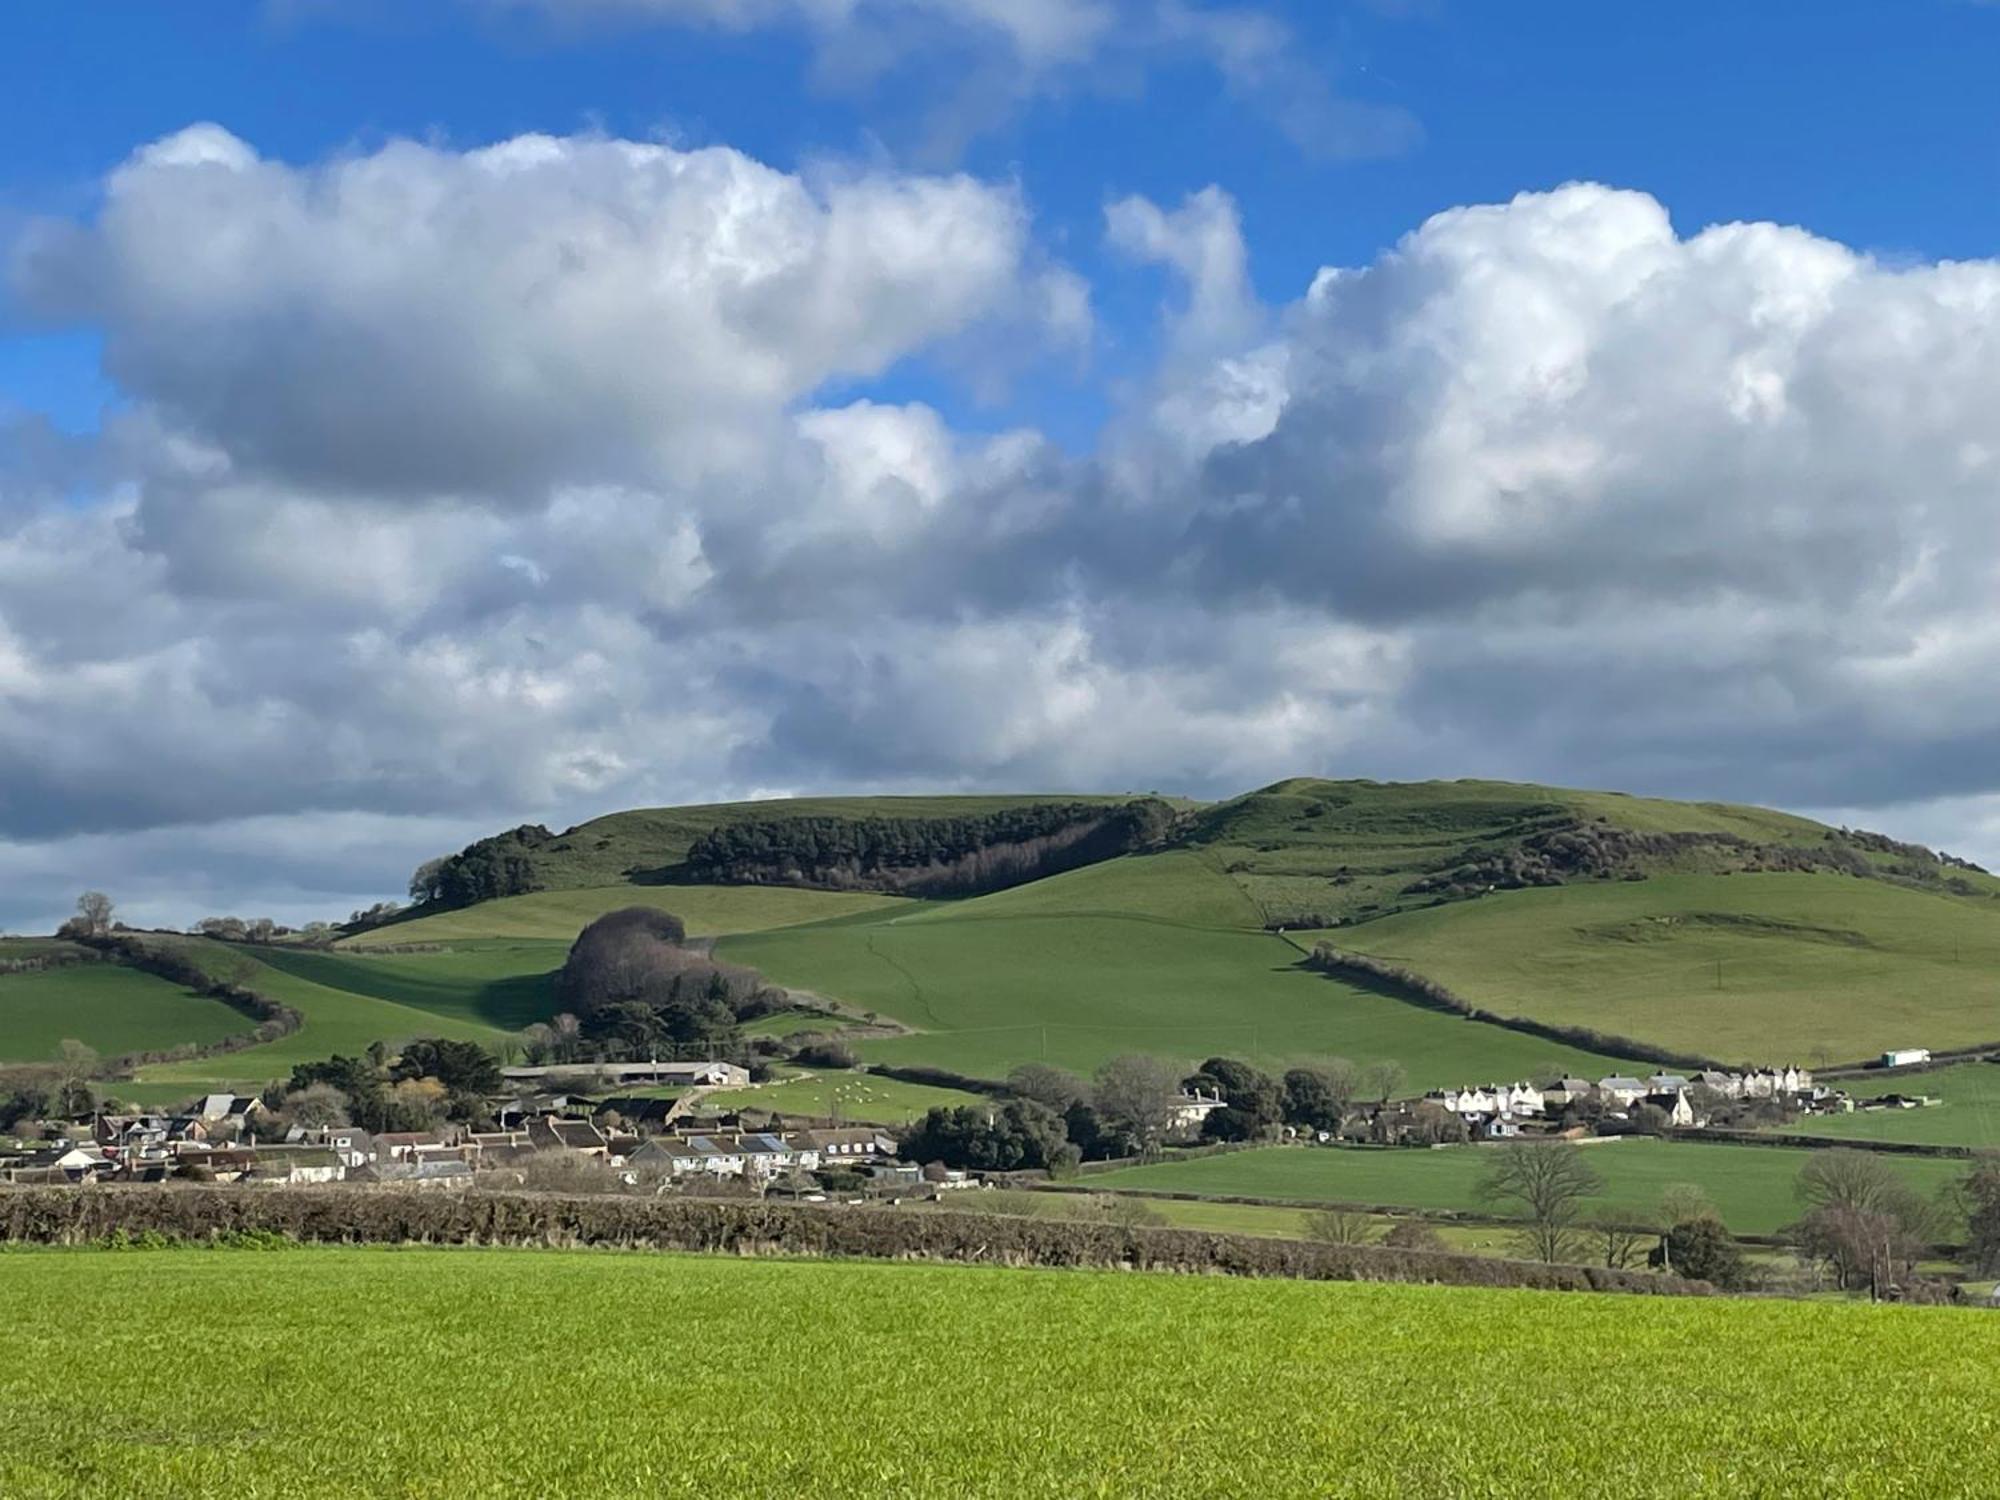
(1703, 928)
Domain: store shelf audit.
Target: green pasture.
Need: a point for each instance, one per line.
(507, 984)
(1753, 969)
(106, 1006)
(985, 992)
(863, 1098)
(375, 1374)
(337, 1021)
(1752, 1187)
(558, 916)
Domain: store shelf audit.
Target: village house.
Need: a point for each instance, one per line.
(1619, 1091)
(1191, 1112)
(1566, 1091)
(1667, 1083)
(552, 1133)
(402, 1145)
(1729, 1085)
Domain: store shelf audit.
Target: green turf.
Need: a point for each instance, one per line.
(1968, 1116)
(986, 992)
(507, 984)
(434, 1373)
(1752, 1187)
(337, 1021)
(561, 915)
(106, 1006)
(1748, 968)
(782, 1023)
(860, 1097)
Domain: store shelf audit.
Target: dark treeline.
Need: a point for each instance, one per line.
(636, 989)
(206, 1214)
(484, 870)
(927, 856)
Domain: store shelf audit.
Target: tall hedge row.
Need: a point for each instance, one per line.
(69, 1216)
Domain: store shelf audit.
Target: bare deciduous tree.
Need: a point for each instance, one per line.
(1383, 1078)
(1339, 1226)
(1136, 1094)
(1549, 1183)
(94, 910)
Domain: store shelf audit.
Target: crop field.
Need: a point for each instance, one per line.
(558, 916)
(986, 992)
(1750, 1186)
(859, 1097)
(106, 1006)
(1749, 968)
(336, 1021)
(1969, 1114)
(1301, 1388)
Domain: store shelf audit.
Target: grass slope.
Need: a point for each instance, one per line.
(1007, 979)
(560, 915)
(1750, 968)
(1349, 848)
(337, 1020)
(1751, 1186)
(1087, 1382)
(496, 983)
(109, 1007)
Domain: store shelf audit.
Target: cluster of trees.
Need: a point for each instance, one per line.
(95, 917)
(59, 1089)
(926, 856)
(261, 930)
(503, 865)
(630, 987)
(431, 1080)
(1129, 1107)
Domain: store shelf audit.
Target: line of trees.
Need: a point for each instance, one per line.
(926, 856)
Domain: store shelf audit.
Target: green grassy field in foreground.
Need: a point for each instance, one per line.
(986, 988)
(105, 1006)
(426, 1373)
(1749, 968)
(1968, 1116)
(1751, 1186)
(558, 916)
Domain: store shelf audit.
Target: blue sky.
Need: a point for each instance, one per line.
(1869, 121)
(938, 394)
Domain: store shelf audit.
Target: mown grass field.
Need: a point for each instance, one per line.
(432, 1373)
(860, 1097)
(986, 985)
(1748, 968)
(337, 1021)
(558, 916)
(1968, 1116)
(1752, 1187)
(106, 1006)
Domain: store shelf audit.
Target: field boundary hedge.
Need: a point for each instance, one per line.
(273, 1020)
(1715, 1137)
(338, 1215)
